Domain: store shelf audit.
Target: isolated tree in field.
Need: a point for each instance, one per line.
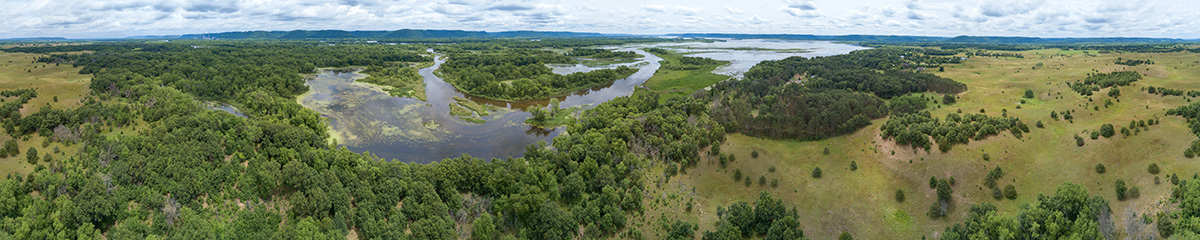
(899, 195)
(816, 173)
(1078, 140)
(1028, 93)
(31, 155)
(1107, 130)
(1100, 168)
(949, 99)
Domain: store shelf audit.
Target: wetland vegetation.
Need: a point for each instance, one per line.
(132, 139)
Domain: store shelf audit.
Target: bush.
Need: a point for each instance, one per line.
(948, 99)
(747, 181)
(31, 155)
(936, 211)
(754, 154)
(775, 182)
(1107, 130)
(1039, 124)
(1010, 192)
(737, 174)
(762, 180)
(1133, 192)
(1028, 93)
(1078, 140)
(1095, 135)
(771, 169)
(853, 166)
(1100, 168)
(997, 194)
(1121, 190)
(47, 158)
(986, 158)
(845, 236)
(826, 151)
(816, 173)
(1153, 169)
(932, 182)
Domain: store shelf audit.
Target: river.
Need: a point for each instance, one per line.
(364, 118)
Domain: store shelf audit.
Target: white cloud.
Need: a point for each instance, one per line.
(1058, 18)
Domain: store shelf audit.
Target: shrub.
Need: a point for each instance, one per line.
(31, 155)
(1133, 192)
(1028, 93)
(1010, 192)
(1095, 135)
(47, 158)
(986, 158)
(1078, 140)
(1039, 124)
(1153, 169)
(816, 173)
(853, 166)
(826, 151)
(1107, 130)
(948, 99)
(762, 180)
(936, 211)
(1121, 190)
(747, 181)
(932, 182)
(775, 182)
(899, 195)
(754, 154)
(1100, 168)
(737, 174)
(997, 194)
(845, 236)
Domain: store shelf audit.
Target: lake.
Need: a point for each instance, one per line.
(365, 118)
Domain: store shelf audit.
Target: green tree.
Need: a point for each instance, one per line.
(483, 228)
(31, 155)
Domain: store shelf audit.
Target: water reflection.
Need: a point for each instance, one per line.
(363, 117)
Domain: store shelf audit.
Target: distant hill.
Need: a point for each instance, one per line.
(33, 39)
(924, 39)
(398, 34)
(850, 38)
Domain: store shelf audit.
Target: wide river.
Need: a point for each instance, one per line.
(364, 118)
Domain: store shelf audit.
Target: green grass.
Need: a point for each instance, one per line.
(666, 80)
(480, 109)
(457, 110)
(862, 202)
(50, 81)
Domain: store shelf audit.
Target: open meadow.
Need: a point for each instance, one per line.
(863, 201)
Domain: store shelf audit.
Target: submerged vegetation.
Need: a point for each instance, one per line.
(403, 81)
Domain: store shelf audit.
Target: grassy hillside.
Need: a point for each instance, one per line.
(863, 202)
(17, 71)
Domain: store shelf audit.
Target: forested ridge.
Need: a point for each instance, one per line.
(187, 172)
(821, 97)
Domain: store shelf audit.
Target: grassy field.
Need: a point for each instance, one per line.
(682, 82)
(862, 202)
(64, 82)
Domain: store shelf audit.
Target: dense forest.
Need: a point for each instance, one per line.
(799, 98)
(519, 74)
(187, 172)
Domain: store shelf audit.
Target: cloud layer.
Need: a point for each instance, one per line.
(1043, 18)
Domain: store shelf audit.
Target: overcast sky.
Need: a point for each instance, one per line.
(1048, 18)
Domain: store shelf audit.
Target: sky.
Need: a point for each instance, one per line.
(1031, 18)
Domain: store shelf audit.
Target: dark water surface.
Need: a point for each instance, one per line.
(363, 117)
